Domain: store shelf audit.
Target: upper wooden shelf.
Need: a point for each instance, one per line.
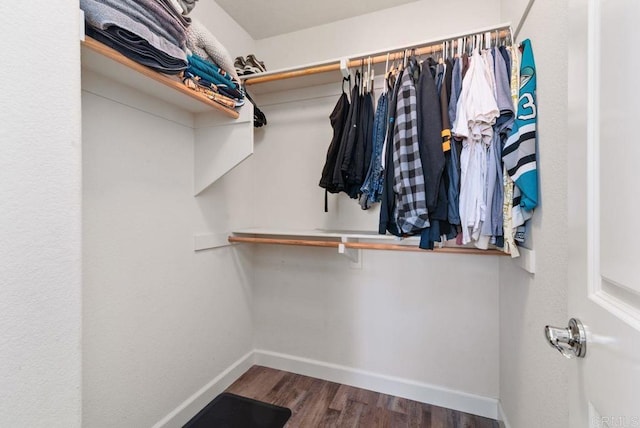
(108, 62)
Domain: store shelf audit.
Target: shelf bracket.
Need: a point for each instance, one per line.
(354, 255)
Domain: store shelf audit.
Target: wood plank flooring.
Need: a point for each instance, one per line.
(319, 403)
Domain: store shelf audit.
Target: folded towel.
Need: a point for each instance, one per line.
(137, 49)
(226, 90)
(210, 72)
(131, 38)
(152, 15)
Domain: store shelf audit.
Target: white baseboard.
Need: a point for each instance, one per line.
(502, 417)
(436, 395)
(192, 405)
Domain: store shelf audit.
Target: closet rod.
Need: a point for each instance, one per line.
(376, 58)
(360, 245)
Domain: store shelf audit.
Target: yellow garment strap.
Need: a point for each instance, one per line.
(446, 140)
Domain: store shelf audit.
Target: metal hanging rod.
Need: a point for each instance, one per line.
(424, 48)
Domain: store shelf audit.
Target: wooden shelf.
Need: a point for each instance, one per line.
(108, 62)
(353, 240)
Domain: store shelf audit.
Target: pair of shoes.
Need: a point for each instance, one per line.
(250, 65)
(239, 64)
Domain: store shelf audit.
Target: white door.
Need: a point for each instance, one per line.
(604, 210)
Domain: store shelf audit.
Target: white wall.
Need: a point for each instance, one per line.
(410, 23)
(533, 377)
(40, 363)
(160, 321)
(394, 316)
(425, 318)
(237, 41)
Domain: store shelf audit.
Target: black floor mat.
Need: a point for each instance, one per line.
(233, 411)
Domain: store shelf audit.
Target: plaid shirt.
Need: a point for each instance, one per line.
(408, 183)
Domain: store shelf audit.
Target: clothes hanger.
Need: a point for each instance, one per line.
(394, 70)
(365, 79)
(370, 75)
(361, 76)
(385, 80)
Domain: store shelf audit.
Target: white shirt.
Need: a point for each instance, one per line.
(477, 111)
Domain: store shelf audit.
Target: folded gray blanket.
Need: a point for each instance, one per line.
(152, 15)
(137, 49)
(102, 17)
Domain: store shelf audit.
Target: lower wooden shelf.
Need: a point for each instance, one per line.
(346, 240)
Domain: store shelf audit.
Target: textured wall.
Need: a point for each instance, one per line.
(427, 318)
(224, 28)
(410, 23)
(533, 377)
(160, 321)
(40, 216)
(400, 315)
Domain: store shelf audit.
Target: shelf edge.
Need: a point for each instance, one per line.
(172, 83)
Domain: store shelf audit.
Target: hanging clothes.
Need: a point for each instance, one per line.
(347, 140)
(356, 170)
(519, 153)
(433, 150)
(492, 227)
(477, 112)
(338, 119)
(388, 209)
(432, 154)
(430, 136)
(453, 164)
(372, 187)
(409, 180)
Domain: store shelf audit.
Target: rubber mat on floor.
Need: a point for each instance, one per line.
(233, 411)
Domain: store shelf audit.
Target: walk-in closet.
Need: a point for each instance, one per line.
(169, 245)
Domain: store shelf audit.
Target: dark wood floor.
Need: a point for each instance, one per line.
(319, 403)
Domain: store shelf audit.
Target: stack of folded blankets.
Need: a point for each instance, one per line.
(150, 32)
(155, 33)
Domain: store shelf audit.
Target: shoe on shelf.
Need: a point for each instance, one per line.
(255, 63)
(240, 65)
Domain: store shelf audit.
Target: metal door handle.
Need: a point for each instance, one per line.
(570, 341)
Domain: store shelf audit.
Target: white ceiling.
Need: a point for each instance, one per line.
(266, 18)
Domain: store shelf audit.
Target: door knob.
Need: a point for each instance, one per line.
(570, 341)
